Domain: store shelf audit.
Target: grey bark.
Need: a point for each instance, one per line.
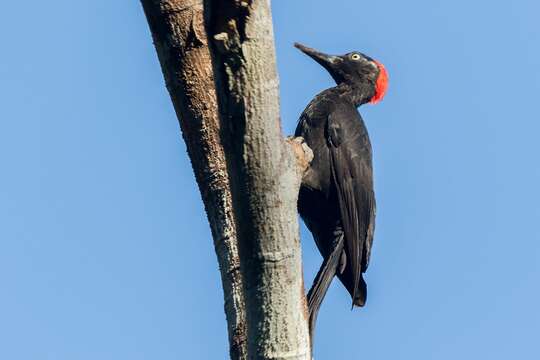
(265, 178)
(179, 36)
(248, 174)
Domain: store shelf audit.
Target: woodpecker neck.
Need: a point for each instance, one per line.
(357, 93)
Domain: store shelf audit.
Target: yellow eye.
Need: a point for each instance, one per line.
(355, 56)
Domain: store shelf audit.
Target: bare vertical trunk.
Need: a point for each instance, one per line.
(265, 178)
(248, 174)
(177, 28)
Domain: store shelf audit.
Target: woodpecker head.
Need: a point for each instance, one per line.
(354, 69)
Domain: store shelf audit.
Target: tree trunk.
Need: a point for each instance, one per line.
(177, 28)
(240, 161)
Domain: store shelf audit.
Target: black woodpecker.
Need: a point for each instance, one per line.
(336, 199)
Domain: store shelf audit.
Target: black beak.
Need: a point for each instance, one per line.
(329, 62)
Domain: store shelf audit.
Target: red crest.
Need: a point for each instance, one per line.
(381, 85)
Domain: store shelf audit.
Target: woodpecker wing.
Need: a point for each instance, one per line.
(352, 176)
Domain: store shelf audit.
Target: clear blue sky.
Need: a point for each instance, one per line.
(105, 252)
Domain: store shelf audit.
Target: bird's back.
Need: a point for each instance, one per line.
(313, 127)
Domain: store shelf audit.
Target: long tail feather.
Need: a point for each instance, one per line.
(322, 283)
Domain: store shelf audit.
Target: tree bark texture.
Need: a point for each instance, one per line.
(179, 36)
(248, 174)
(265, 174)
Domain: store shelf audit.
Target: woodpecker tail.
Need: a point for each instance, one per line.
(322, 282)
(361, 292)
(361, 295)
